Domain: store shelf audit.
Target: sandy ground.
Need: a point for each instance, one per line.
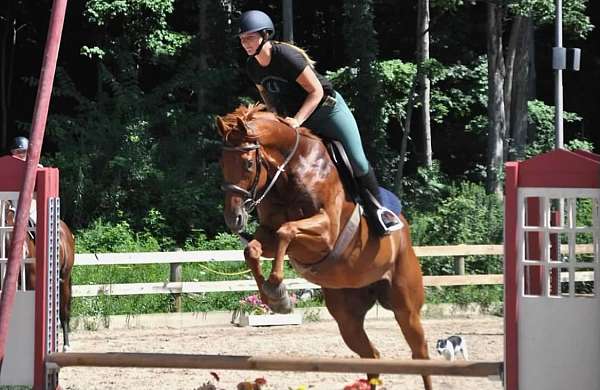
(484, 336)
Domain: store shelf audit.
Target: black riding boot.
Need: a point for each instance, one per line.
(383, 220)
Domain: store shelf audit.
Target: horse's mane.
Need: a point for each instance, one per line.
(247, 114)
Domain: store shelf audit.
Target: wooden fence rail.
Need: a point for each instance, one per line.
(176, 286)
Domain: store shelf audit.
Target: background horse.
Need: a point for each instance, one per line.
(303, 208)
(66, 257)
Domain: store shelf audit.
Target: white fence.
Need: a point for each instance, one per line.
(176, 286)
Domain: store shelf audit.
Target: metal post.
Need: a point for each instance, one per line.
(558, 83)
(288, 21)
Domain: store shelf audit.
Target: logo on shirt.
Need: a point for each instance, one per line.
(272, 84)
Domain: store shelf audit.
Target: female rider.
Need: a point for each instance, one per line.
(290, 86)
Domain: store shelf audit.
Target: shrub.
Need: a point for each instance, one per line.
(119, 237)
(466, 216)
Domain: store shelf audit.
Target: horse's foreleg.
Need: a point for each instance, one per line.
(314, 228)
(263, 243)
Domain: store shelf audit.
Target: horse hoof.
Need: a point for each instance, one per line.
(283, 306)
(279, 301)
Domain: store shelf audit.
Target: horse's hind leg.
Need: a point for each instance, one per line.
(349, 307)
(406, 296)
(65, 310)
(410, 323)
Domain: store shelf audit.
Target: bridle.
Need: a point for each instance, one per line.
(250, 195)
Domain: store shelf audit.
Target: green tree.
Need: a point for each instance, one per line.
(145, 139)
(362, 50)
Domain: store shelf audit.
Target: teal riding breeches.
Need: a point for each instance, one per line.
(337, 122)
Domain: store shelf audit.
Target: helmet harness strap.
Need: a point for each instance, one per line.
(265, 37)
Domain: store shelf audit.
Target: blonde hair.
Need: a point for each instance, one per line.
(299, 49)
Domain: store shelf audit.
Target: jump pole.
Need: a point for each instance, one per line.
(38, 125)
(258, 363)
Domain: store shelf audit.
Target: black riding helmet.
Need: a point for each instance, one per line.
(254, 20)
(257, 21)
(19, 144)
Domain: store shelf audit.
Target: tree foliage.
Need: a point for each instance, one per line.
(139, 83)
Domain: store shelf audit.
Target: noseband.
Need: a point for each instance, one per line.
(250, 195)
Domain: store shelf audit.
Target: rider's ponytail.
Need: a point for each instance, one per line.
(302, 51)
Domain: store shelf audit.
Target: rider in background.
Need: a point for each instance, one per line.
(291, 87)
(18, 149)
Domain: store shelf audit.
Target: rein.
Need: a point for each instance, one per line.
(251, 201)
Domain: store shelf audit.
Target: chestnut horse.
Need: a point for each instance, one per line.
(303, 208)
(66, 257)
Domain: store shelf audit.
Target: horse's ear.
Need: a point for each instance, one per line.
(242, 127)
(221, 127)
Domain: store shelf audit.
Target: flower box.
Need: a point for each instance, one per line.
(245, 319)
(252, 312)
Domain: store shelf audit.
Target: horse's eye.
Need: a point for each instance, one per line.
(249, 165)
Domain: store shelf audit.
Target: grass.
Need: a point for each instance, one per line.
(106, 305)
(102, 306)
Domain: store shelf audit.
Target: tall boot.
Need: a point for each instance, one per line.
(382, 219)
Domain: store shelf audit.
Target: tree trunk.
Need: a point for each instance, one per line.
(520, 91)
(531, 75)
(3, 87)
(362, 49)
(7, 53)
(424, 82)
(509, 62)
(288, 21)
(398, 187)
(202, 4)
(496, 113)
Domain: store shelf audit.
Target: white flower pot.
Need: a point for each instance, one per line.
(269, 319)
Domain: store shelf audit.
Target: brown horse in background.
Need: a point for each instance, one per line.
(302, 207)
(66, 258)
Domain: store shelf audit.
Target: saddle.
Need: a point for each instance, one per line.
(340, 159)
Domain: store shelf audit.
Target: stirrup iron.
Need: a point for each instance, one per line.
(397, 225)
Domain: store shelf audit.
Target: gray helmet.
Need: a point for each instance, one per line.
(253, 21)
(19, 144)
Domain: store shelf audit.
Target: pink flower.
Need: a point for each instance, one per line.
(361, 384)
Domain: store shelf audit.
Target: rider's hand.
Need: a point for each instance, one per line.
(292, 122)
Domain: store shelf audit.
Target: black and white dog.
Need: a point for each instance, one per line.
(451, 346)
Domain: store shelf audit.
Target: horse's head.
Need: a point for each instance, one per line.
(9, 213)
(241, 164)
